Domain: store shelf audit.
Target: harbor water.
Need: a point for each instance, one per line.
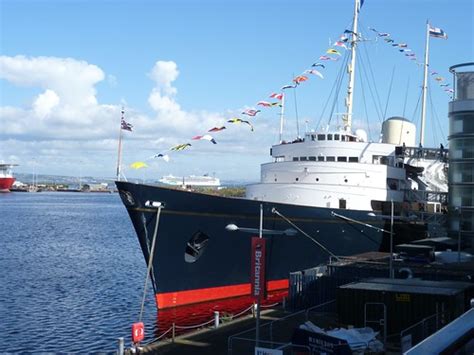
(72, 276)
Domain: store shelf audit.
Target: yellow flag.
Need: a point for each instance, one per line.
(138, 165)
(332, 51)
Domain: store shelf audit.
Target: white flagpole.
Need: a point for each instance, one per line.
(119, 158)
(424, 88)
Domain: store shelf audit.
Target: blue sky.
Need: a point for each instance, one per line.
(181, 67)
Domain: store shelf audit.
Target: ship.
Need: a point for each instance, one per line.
(191, 181)
(328, 193)
(6, 177)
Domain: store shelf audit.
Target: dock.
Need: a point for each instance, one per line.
(238, 336)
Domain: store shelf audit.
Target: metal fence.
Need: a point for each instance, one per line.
(414, 334)
(277, 334)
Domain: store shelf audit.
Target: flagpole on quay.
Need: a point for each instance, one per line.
(257, 311)
(119, 157)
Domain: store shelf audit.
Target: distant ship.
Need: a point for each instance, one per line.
(6, 177)
(333, 189)
(192, 180)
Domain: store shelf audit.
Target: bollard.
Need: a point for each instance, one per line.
(216, 319)
(284, 303)
(121, 346)
(173, 332)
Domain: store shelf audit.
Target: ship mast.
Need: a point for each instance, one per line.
(347, 118)
(424, 88)
(282, 115)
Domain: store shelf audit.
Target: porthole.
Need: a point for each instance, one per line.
(297, 179)
(317, 179)
(195, 247)
(345, 180)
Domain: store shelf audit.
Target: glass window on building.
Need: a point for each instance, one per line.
(320, 158)
(312, 158)
(342, 159)
(321, 137)
(336, 137)
(330, 158)
(303, 158)
(353, 159)
(295, 158)
(329, 137)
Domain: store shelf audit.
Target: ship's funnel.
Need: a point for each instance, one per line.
(399, 130)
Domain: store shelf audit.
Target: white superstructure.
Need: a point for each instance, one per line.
(335, 169)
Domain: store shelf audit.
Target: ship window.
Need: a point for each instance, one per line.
(195, 247)
(312, 158)
(341, 158)
(353, 159)
(317, 179)
(321, 137)
(297, 179)
(295, 158)
(303, 158)
(343, 138)
(336, 137)
(330, 159)
(392, 184)
(313, 137)
(345, 180)
(320, 158)
(329, 137)
(342, 203)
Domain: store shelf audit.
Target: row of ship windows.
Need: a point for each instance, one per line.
(335, 137)
(322, 158)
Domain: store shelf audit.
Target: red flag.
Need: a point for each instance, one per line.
(278, 96)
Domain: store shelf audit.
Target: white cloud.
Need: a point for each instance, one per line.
(45, 102)
(65, 124)
(69, 78)
(164, 73)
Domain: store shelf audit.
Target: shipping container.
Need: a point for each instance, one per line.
(400, 303)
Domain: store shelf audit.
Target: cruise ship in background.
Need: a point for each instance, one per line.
(6, 177)
(191, 181)
(318, 192)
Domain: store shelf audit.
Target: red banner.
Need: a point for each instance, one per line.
(257, 269)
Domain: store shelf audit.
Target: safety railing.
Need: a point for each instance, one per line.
(414, 334)
(171, 333)
(277, 332)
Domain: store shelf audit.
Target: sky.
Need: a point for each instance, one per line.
(182, 67)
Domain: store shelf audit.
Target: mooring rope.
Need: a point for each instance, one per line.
(274, 211)
(150, 261)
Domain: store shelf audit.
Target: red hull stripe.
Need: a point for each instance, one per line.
(181, 298)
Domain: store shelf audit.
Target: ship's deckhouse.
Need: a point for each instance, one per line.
(333, 170)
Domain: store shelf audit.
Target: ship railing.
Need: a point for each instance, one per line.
(426, 196)
(425, 153)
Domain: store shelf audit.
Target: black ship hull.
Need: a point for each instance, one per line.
(197, 259)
